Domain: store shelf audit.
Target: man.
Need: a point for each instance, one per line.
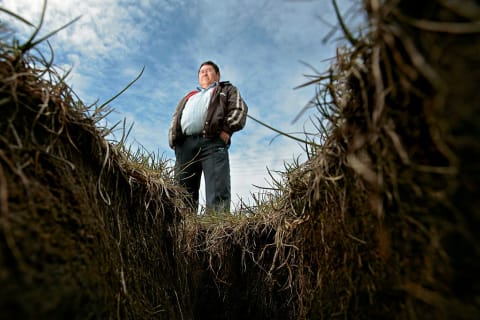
(201, 132)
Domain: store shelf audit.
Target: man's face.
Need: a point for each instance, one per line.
(207, 76)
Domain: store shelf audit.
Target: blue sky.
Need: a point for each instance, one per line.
(261, 46)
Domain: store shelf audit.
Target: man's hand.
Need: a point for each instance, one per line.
(225, 137)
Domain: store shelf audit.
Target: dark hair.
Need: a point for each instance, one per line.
(210, 63)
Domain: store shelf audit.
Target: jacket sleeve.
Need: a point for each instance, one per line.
(172, 130)
(237, 111)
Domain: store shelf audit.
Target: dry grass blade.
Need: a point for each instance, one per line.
(101, 107)
(281, 132)
(442, 26)
(16, 16)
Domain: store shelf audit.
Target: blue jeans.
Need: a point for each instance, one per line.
(197, 154)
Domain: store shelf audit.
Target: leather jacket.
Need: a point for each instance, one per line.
(226, 112)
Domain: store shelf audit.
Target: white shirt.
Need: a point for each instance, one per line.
(195, 111)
